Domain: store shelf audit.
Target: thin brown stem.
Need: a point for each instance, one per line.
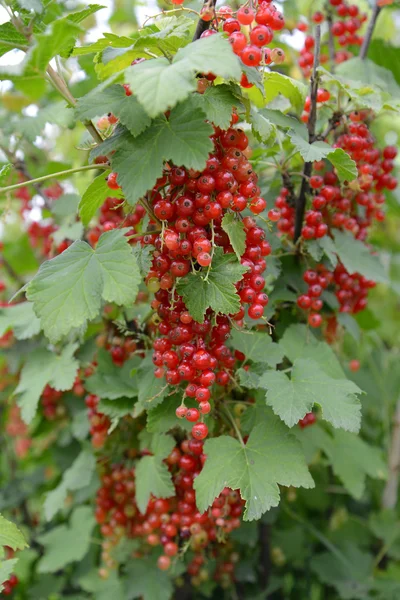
(370, 31)
(331, 43)
(11, 272)
(202, 25)
(312, 120)
(390, 493)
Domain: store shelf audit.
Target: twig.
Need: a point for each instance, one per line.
(331, 43)
(202, 25)
(390, 493)
(301, 200)
(11, 272)
(52, 176)
(235, 427)
(264, 558)
(370, 31)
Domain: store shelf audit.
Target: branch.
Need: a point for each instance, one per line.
(301, 200)
(370, 31)
(264, 558)
(390, 494)
(11, 272)
(202, 26)
(331, 43)
(51, 176)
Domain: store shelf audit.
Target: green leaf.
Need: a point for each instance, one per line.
(65, 206)
(279, 119)
(217, 103)
(4, 173)
(329, 249)
(271, 456)
(350, 574)
(21, 319)
(67, 543)
(68, 289)
(368, 73)
(94, 196)
(59, 37)
(73, 231)
(146, 581)
(357, 258)
(144, 257)
(76, 477)
(346, 168)
(110, 381)
(6, 569)
(115, 409)
(151, 391)
(217, 292)
(293, 398)
(184, 138)
(10, 38)
(113, 99)
(353, 459)
(262, 127)
(299, 342)
(310, 152)
(234, 228)
(152, 475)
(11, 536)
(276, 83)
(257, 346)
(162, 418)
(41, 368)
(159, 85)
(385, 55)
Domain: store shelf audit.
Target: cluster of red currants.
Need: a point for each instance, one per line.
(344, 21)
(99, 423)
(112, 215)
(50, 401)
(173, 523)
(191, 206)
(250, 31)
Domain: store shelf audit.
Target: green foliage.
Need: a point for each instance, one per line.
(11, 536)
(234, 228)
(293, 398)
(67, 543)
(44, 368)
(93, 197)
(21, 319)
(146, 581)
(357, 258)
(112, 382)
(257, 347)
(217, 103)
(113, 99)
(270, 457)
(159, 84)
(215, 289)
(68, 290)
(153, 477)
(76, 477)
(182, 138)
